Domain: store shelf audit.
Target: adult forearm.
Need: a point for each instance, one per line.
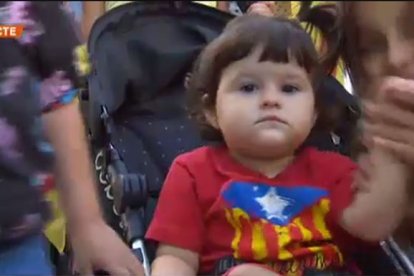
(75, 179)
(92, 10)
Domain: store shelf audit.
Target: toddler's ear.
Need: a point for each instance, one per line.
(210, 112)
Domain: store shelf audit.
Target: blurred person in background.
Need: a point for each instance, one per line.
(42, 130)
(378, 51)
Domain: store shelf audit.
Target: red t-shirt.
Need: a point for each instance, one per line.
(216, 207)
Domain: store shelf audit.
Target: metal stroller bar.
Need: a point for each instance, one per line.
(130, 195)
(400, 255)
(132, 220)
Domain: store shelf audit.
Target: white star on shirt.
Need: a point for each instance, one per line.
(273, 204)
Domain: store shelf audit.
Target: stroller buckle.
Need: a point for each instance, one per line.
(106, 120)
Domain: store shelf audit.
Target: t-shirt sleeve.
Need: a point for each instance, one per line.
(49, 38)
(341, 196)
(335, 173)
(341, 191)
(178, 218)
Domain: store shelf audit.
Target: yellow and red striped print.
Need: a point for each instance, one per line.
(259, 240)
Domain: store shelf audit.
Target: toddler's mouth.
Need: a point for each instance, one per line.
(270, 118)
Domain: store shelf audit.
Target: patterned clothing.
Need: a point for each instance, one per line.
(289, 222)
(36, 76)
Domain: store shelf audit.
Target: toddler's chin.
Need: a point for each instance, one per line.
(272, 148)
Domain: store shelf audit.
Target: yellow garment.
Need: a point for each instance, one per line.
(113, 4)
(212, 4)
(55, 230)
(82, 64)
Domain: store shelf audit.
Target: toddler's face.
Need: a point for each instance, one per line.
(264, 109)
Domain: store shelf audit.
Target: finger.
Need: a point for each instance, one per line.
(85, 269)
(399, 90)
(367, 133)
(134, 265)
(368, 111)
(394, 82)
(402, 151)
(403, 97)
(136, 269)
(367, 140)
(389, 113)
(117, 270)
(389, 132)
(82, 265)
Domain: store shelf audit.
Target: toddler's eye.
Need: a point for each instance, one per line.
(288, 88)
(249, 87)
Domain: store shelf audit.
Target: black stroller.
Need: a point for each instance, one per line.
(140, 54)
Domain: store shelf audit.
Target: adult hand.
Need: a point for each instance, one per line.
(96, 246)
(390, 118)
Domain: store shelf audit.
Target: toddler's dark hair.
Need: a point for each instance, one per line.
(283, 40)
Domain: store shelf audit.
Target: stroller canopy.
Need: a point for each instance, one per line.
(142, 50)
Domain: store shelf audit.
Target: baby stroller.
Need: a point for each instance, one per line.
(141, 53)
